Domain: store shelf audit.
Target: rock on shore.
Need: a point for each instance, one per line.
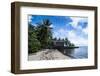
(47, 54)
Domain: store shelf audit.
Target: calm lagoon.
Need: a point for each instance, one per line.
(77, 53)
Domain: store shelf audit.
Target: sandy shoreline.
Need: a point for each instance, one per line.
(47, 54)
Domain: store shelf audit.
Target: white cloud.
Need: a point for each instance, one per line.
(61, 33)
(76, 20)
(72, 36)
(52, 26)
(33, 24)
(61, 30)
(30, 18)
(76, 39)
(85, 31)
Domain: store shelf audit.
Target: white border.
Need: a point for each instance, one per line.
(25, 64)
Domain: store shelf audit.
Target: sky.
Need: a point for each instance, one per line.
(74, 28)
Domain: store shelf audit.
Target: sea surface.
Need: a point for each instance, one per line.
(77, 53)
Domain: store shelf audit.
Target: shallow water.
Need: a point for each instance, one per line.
(77, 53)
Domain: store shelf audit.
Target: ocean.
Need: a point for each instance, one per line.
(78, 53)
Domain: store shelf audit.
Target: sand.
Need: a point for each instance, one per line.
(47, 54)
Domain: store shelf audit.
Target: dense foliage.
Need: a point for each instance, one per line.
(33, 43)
(44, 33)
(68, 43)
(40, 36)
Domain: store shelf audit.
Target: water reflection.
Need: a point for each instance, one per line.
(77, 53)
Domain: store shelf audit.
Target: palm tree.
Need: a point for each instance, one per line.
(44, 33)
